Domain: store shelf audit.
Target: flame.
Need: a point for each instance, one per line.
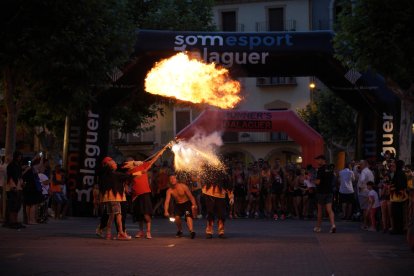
(194, 81)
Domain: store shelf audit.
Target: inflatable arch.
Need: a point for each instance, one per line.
(259, 121)
(246, 55)
(283, 54)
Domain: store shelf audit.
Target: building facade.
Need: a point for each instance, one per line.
(278, 92)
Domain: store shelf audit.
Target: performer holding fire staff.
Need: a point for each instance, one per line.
(185, 205)
(141, 192)
(216, 186)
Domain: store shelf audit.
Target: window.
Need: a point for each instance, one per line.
(182, 119)
(275, 19)
(228, 21)
(276, 81)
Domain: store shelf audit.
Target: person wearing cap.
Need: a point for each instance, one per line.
(324, 193)
(184, 205)
(112, 190)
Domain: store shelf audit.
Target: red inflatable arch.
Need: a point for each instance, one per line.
(287, 121)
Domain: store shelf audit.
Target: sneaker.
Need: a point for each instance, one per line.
(372, 229)
(283, 217)
(179, 234)
(333, 230)
(256, 215)
(275, 217)
(247, 214)
(139, 234)
(192, 235)
(209, 236)
(98, 231)
(317, 229)
(148, 236)
(123, 237)
(108, 236)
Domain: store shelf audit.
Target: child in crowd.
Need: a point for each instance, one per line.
(373, 205)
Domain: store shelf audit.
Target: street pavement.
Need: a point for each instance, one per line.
(252, 247)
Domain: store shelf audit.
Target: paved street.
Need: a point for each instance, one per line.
(252, 247)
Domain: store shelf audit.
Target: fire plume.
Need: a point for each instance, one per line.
(194, 81)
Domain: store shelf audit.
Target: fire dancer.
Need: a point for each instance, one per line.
(112, 189)
(185, 205)
(141, 192)
(216, 186)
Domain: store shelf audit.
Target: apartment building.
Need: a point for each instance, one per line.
(278, 92)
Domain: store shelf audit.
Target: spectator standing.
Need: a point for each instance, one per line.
(324, 193)
(240, 190)
(398, 197)
(161, 181)
(365, 176)
(346, 191)
(32, 190)
(253, 192)
(266, 189)
(195, 186)
(384, 190)
(58, 192)
(3, 175)
(278, 198)
(14, 187)
(373, 205)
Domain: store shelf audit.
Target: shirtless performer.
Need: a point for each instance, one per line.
(184, 203)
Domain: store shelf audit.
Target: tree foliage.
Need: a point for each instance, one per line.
(175, 15)
(54, 54)
(378, 35)
(332, 118)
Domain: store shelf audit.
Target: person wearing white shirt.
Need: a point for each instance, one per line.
(346, 191)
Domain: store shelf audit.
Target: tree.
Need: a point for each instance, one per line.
(333, 119)
(175, 15)
(56, 52)
(378, 35)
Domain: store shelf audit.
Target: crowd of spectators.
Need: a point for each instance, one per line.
(32, 189)
(378, 194)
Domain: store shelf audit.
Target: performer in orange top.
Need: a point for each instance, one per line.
(141, 192)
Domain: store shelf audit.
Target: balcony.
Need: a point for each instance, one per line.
(276, 81)
(286, 26)
(237, 28)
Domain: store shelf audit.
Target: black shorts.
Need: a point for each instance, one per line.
(239, 191)
(14, 201)
(347, 198)
(215, 207)
(183, 209)
(142, 206)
